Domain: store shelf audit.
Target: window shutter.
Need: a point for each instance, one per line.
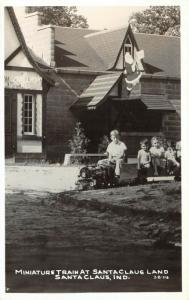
(19, 114)
(38, 124)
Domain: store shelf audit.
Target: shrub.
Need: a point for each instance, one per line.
(79, 142)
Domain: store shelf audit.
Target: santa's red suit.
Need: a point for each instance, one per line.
(131, 72)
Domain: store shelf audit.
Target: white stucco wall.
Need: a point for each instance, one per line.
(11, 42)
(22, 80)
(20, 60)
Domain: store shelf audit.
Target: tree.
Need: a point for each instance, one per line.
(163, 20)
(60, 15)
(79, 142)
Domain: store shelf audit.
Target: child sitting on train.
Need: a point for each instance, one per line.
(116, 151)
(157, 154)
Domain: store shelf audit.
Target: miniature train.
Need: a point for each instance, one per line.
(161, 162)
(97, 177)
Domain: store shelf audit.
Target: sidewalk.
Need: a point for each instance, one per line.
(49, 178)
(52, 179)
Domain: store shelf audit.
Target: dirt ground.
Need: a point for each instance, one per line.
(127, 227)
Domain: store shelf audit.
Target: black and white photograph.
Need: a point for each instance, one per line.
(93, 149)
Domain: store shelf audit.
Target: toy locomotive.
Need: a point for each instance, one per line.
(97, 177)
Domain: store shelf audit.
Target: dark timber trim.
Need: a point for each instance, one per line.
(14, 68)
(12, 55)
(128, 33)
(23, 91)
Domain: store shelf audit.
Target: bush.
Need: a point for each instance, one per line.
(79, 142)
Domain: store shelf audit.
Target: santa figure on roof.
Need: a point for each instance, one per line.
(133, 69)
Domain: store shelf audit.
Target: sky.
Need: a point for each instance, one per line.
(101, 17)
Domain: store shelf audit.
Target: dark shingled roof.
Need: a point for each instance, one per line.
(157, 102)
(73, 51)
(107, 44)
(161, 51)
(93, 50)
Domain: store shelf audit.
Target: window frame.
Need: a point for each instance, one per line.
(130, 46)
(32, 132)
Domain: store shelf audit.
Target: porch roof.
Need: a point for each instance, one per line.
(151, 102)
(96, 93)
(157, 102)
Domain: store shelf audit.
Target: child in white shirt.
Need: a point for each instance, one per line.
(171, 160)
(144, 159)
(157, 153)
(116, 153)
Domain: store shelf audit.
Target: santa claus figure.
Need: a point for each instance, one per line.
(133, 69)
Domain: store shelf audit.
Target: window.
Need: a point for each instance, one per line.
(128, 47)
(28, 114)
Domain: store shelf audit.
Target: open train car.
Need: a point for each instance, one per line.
(96, 177)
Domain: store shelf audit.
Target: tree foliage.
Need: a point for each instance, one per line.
(163, 20)
(79, 142)
(60, 15)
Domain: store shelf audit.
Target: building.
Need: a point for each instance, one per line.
(88, 67)
(26, 86)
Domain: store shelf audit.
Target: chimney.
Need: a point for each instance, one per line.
(34, 18)
(40, 38)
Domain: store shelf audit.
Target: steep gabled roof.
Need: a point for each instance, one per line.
(161, 51)
(85, 49)
(107, 44)
(24, 47)
(73, 51)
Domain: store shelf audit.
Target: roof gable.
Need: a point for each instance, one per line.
(162, 52)
(128, 39)
(19, 60)
(20, 45)
(84, 49)
(107, 44)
